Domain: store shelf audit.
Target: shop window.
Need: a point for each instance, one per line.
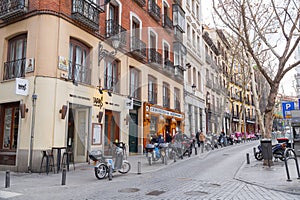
(9, 122)
(79, 66)
(16, 57)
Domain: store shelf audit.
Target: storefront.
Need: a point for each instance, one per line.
(159, 120)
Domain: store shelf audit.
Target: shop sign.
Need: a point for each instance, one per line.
(165, 112)
(98, 102)
(22, 86)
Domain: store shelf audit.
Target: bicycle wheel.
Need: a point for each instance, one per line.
(101, 171)
(125, 168)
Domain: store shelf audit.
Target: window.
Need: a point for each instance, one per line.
(166, 51)
(152, 90)
(15, 65)
(178, 17)
(188, 32)
(199, 82)
(176, 99)
(198, 45)
(166, 95)
(9, 121)
(193, 38)
(134, 83)
(79, 70)
(111, 74)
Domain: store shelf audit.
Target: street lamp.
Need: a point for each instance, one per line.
(102, 53)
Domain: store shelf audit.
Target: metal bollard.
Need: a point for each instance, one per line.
(174, 155)
(63, 176)
(7, 179)
(248, 159)
(195, 150)
(254, 151)
(110, 173)
(139, 168)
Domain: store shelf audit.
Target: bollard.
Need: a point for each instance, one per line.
(63, 176)
(7, 179)
(248, 159)
(165, 160)
(195, 150)
(139, 167)
(174, 155)
(110, 173)
(254, 151)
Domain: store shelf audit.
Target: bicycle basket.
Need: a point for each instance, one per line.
(96, 155)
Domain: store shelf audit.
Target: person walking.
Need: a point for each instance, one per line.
(202, 140)
(197, 138)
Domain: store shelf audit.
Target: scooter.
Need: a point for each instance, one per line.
(116, 162)
(277, 150)
(156, 151)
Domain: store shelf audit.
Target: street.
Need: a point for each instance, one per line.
(205, 176)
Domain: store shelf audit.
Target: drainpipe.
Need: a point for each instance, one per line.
(34, 98)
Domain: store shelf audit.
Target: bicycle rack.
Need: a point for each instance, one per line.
(290, 154)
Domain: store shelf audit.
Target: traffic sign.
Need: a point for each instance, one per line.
(286, 109)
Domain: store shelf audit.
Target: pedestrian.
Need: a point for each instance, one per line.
(202, 140)
(197, 138)
(168, 137)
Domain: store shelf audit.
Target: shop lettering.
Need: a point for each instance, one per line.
(165, 112)
(98, 102)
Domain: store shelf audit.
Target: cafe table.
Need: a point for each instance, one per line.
(58, 155)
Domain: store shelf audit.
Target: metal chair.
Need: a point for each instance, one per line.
(68, 157)
(48, 156)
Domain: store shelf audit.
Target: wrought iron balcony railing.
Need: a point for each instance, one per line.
(79, 73)
(14, 69)
(141, 3)
(86, 12)
(12, 8)
(154, 56)
(113, 28)
(154, 10)
(167, 22)
(138, 47)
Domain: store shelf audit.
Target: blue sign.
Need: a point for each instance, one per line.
(286, 109)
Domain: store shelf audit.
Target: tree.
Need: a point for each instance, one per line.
(269, 32)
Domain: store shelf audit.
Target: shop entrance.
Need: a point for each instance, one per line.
(78, 133)
(111, 131)
(133, 133)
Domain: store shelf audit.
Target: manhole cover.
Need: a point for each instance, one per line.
(155, 193)
(196, 193)
(129, 190)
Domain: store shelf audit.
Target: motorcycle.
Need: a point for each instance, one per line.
(277, 150)
(157, 151)
(117, 161)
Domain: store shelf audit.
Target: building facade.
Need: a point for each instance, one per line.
(66, 84)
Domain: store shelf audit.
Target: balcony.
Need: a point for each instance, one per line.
(87, 13)
(154, 57)
(178, 34)
(138, 47)
(12, 8)
(169, 66)
(14, 69)
(154, 10)
(79, 73)
(179, 72)
(141, 3)
(113, 28)
(167, 22)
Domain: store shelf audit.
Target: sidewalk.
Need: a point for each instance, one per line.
(274, 177)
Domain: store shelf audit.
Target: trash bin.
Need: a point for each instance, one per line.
(297, 147)
(284, 140)
(266, 145)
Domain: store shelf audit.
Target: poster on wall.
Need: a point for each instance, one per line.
(96, 136)
(22, 86)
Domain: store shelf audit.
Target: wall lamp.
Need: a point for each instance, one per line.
(63, 111)
(23, 110)
(194, 88)
(102, 53)
(188, 65)
(101, 90)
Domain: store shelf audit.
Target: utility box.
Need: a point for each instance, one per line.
(297, 147)
(266, 145)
